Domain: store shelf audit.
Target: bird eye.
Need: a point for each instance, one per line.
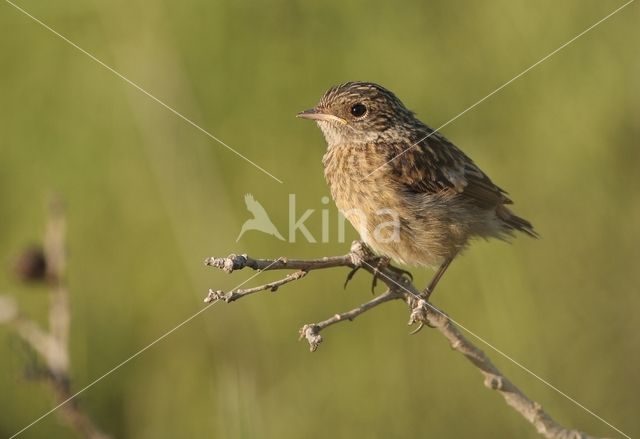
(358, 110)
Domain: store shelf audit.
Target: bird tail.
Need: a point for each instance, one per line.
(514, 222)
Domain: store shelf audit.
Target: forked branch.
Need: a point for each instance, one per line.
(399, 287)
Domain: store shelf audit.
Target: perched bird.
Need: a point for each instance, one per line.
(412, 195)
(260, 220)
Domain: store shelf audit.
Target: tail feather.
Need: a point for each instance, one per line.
(514, 222)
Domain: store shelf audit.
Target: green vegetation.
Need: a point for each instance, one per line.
(149, 197)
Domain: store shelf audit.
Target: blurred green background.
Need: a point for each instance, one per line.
(149, 197)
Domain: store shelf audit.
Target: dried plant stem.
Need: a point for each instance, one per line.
(53, 345)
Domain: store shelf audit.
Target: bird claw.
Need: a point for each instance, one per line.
(420, 315)
(400, 272)
(350, 276)
(374, 282)
(418, 329)
(383, 263)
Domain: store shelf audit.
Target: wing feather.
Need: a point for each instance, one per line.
(434, 165)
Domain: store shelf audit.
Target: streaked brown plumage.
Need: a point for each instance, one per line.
(380, 156)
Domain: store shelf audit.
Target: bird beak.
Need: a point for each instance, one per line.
(315, 114)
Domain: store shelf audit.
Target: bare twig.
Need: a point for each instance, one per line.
(56, 263)
(53, 345)
(312, 331)
(239, 293)
(400, 287)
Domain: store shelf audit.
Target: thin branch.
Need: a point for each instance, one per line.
(400, 287)
(56, 263)
(235, 262)
(311, 331)
(239, 293)
(494, 379)
(53, 345)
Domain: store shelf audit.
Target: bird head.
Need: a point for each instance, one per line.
(357, 112)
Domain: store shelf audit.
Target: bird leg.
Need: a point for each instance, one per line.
(432, 285)
(420, 309)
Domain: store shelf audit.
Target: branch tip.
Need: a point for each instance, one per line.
(228, 264)
(312, 334)
(212, 295)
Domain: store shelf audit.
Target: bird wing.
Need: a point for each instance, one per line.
(435, 165)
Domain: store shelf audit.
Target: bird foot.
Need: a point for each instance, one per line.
(399, 272)
(376, 273)
(420, 310)
(360, 252)
(382, 263)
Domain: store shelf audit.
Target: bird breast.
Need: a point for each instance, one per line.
(363, 194)
(394, 223)
(355, 183)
